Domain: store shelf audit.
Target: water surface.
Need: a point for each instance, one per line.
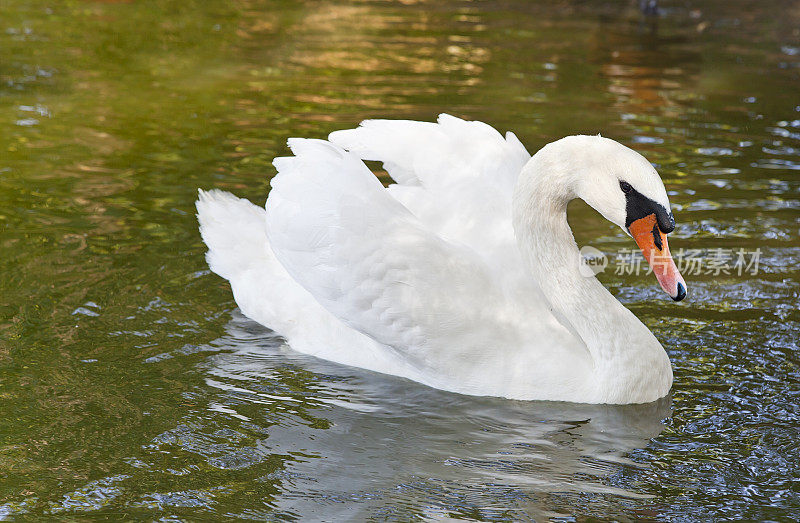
(130, 386)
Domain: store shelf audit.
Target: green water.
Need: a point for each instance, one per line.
(131, 387)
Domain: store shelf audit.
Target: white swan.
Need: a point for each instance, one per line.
(463, 275)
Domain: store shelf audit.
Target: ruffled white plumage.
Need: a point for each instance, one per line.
(456, 176)
(425, 279)
(422, 279)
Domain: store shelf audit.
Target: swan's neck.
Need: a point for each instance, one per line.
(629, 363)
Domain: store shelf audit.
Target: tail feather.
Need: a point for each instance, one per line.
(234, 231)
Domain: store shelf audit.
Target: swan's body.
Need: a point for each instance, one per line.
(463, 275)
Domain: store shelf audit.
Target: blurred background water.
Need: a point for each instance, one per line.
(131, 387)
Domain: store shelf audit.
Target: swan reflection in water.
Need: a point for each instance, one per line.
(365, 443)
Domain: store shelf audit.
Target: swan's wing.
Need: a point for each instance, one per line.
(375, 266)
(456, 176)
(437, 155)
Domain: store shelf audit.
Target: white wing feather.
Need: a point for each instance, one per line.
(374, 265)
(456, 176)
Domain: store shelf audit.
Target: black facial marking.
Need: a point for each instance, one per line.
(657, 237)
(638, 206)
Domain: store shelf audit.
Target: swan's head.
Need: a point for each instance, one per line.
(624, 187)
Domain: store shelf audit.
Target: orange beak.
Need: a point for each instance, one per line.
(653, 244)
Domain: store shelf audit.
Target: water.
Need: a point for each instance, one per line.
(131, 387)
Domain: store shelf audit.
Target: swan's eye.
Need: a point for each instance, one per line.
(625, 186)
